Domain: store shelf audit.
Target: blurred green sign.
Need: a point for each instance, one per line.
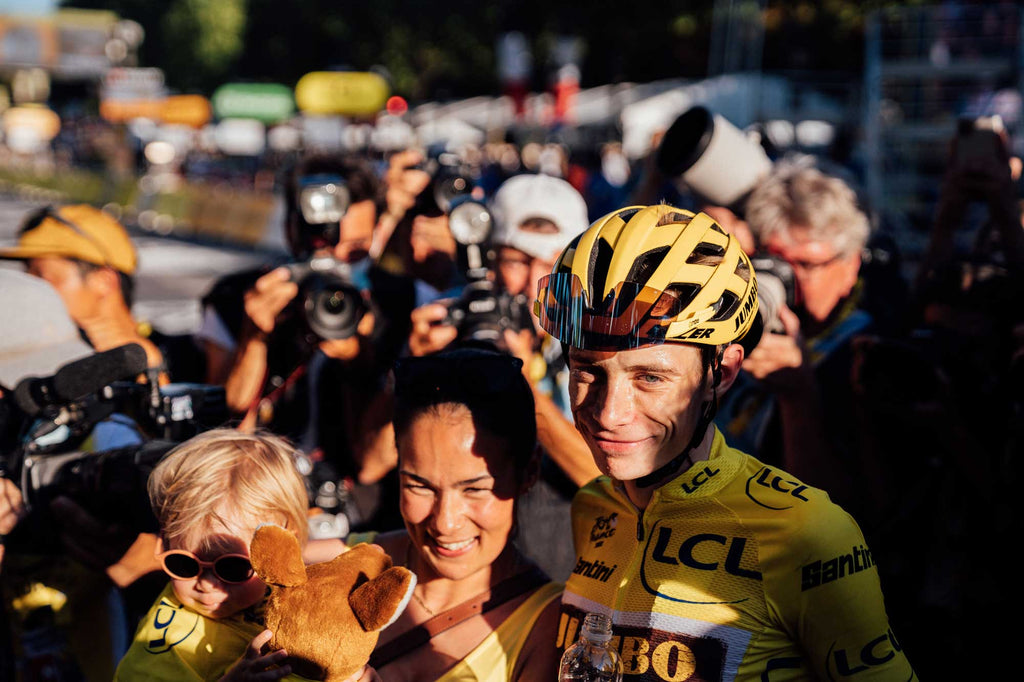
(265, 102)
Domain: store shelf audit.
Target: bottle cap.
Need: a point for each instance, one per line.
(597, 627)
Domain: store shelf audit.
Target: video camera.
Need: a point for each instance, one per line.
(131, 424)
(484, 310)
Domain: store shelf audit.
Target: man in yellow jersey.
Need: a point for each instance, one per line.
(712, 565)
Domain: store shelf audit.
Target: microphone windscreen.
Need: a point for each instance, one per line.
(31, 394)
(88, 375)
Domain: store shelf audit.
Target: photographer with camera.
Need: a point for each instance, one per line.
(792, 404)
(304, 348)
(69, 577)
(534, 217)
(88, 257)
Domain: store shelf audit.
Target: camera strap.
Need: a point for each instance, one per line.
(256, 407)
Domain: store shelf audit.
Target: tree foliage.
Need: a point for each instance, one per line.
(433, 50)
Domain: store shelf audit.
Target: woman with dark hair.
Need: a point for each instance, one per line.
(466, 437)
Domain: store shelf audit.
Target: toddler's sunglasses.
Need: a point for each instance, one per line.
(184, 565)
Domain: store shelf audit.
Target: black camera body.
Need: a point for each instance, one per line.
(776, 286)
(484, 311)
(449, 180)
(330, 303)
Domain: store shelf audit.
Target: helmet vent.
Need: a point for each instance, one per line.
(681, 296)
(626, 214)
(600, 257)
(725, 306)
(673, 218)
(645, 265)
(704, 252)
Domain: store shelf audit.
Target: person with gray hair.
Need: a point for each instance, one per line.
(793, 404)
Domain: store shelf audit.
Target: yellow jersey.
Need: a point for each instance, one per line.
(734, 571)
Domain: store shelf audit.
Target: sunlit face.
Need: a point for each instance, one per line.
(824, 276)
(356, 233)
(520, 272)
(636, 409)
(79, 291)
(207, 594)
(458, 493)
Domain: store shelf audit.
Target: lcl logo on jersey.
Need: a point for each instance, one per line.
(767, 484)
(173, 625)
(668, 550)
(604, 528)
(854, 660)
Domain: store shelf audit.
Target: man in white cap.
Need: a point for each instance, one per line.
(535, 217)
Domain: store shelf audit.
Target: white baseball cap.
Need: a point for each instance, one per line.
(38, 336)
(525, 197)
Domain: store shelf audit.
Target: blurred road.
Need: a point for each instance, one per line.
(173, 274)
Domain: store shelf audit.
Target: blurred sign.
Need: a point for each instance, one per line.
(345, 93)
(240, 136)
(82, 37)
(129, 93)
(27, 42)
(134, 83)
(69, 43)
(186, 110)
(121, 111)
(265, 102)
(322, 132)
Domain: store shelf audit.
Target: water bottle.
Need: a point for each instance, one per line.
(591, 659)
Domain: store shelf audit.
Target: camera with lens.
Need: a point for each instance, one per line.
(133, 423)
(776, 286)
(713, 158)
(330, 303)
(484, 310)
(449, 180)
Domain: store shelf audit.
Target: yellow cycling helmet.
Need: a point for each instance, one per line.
(650, 274)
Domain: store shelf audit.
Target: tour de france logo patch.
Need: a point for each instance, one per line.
(604, 528)
(170, 626)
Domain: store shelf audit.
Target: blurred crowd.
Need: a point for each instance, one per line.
(893, 386)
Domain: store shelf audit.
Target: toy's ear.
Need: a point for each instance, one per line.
(277, 557)
(379, 602)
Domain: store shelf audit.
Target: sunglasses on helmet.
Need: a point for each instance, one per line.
(184, 565)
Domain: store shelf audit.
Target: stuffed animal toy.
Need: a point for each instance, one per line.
(327, 616)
